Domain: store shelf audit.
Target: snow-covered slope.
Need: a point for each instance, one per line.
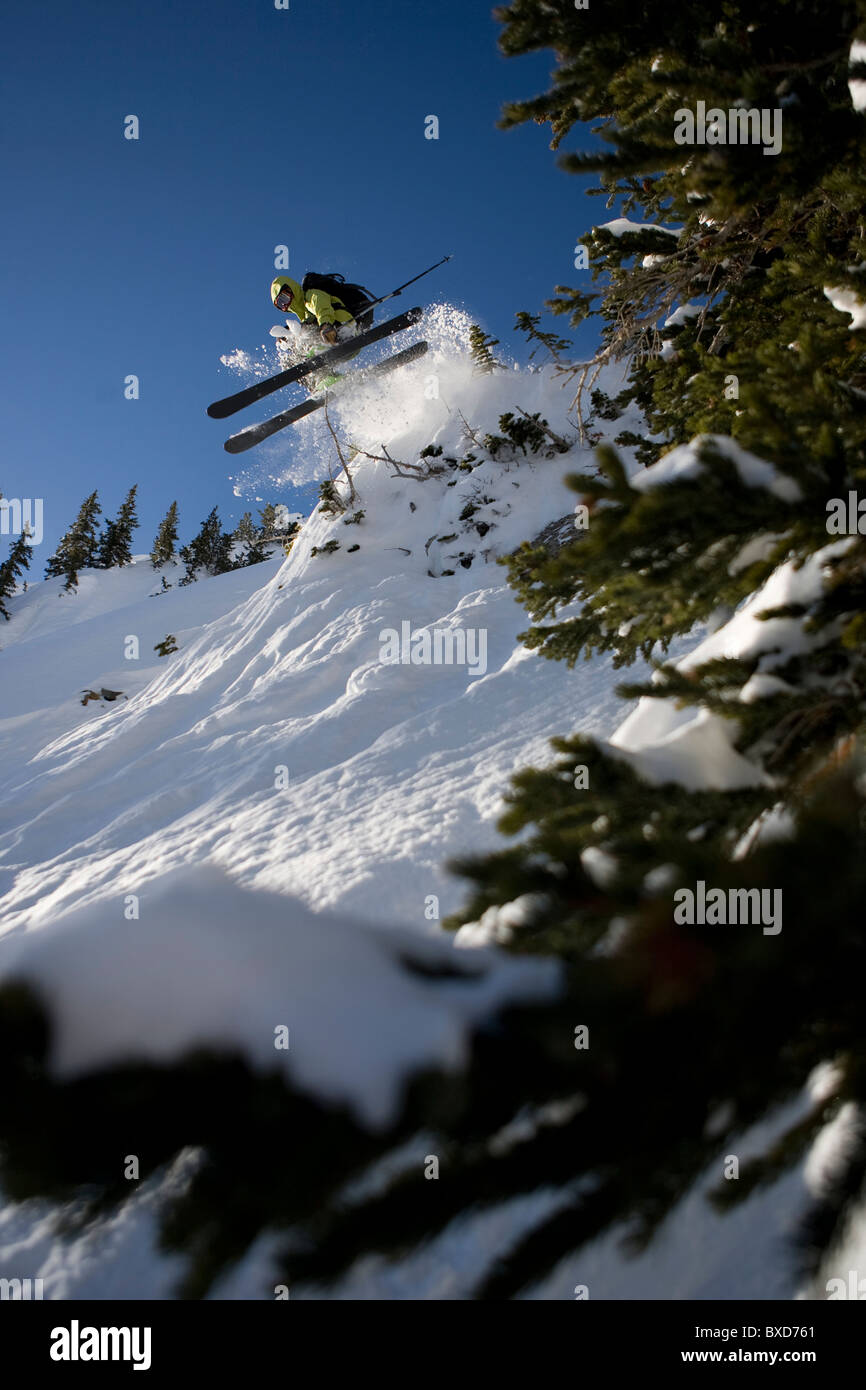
(207, 846)
(390, 769)
(280, 750)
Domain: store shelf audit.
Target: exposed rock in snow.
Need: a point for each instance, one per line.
(558, 533)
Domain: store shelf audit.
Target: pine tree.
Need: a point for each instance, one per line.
(255, 553)
(210, 550)
(253, 550)
(551, 342)
(267, 518)
(481, 347)
(78, 548)
(13, 566)
(330, 501)
(245, 532)
(115, 545)
(757, 359)
(163, 551)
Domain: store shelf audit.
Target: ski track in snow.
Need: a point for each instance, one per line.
(391, 768)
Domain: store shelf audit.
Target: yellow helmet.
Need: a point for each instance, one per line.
(283, 285)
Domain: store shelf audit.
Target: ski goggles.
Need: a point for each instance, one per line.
(284, 300)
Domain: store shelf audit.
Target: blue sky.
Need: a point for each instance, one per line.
(258, 127)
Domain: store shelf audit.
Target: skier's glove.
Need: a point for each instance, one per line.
(328, 333)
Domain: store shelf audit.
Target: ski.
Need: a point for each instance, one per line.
(254, 434)
(220, 409)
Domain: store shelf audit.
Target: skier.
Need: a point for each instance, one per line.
(325, 303)
(328, 308)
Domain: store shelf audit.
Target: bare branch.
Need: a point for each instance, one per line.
(345, 467)
(419, 473)
(469, 431)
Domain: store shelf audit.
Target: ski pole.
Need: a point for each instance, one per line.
(401, 288)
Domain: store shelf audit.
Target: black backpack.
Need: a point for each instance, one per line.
(355, 297)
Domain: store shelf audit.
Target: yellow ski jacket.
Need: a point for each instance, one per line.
(313, 307)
